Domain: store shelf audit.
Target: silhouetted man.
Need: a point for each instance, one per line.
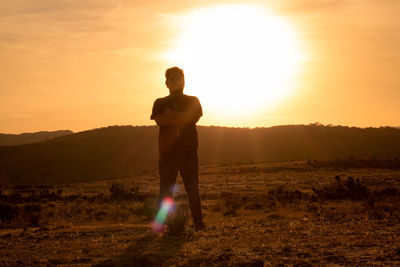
(177, 115)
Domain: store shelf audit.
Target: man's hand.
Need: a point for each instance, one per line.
(171, 113)
(182, 117)
(169, 118)
(163, 120)
(172, 117)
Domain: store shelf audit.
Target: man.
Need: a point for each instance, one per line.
(177, 115)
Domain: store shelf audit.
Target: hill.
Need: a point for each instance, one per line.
(122, 151)
(25, 138)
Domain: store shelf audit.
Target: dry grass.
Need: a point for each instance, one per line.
(178, 220)
(256, 215)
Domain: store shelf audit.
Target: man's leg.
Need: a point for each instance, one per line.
(188, 166)
(168, 169)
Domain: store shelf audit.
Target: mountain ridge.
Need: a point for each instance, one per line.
(122, 151)
(26, 138)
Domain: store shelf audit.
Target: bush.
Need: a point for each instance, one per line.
(8, 212)
(32, 208)
(357, 163)
(383, 203)
(33, 214)
(231, 203)
(177, 221)
(34, 219)
(50, 196)
(148, 209)
(100, 215)
(118, 192)
(347, 189)
(282, 194)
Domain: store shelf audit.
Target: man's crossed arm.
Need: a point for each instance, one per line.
(171, 117)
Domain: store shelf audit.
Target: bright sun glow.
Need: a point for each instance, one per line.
(238, 59)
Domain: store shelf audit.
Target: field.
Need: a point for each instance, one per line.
(262, 214)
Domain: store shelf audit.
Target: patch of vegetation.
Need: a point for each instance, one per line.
(27, 193)
(374, 162)
(8, 212)
(177, 221)
(33, 214)
(29, 214)
(118, 192)
(35, 205)
(376, 203)
(342, 189)
(229, 203)
(284, 195)
(148, 209)
(260, 170)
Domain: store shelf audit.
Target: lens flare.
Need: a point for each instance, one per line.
(175, 189)
(167, 206)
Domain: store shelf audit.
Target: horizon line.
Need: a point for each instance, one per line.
(235, 127)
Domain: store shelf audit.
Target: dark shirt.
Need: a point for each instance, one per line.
(177, 137)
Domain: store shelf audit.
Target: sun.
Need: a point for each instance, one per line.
(238, 59)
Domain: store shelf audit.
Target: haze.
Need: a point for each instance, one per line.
(85, 64)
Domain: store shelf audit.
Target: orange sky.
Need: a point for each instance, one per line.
(85, 64)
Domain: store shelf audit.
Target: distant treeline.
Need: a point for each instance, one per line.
(26, 138)
(296, 142)
(120, 151)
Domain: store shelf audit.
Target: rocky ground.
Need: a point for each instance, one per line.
(267, 214)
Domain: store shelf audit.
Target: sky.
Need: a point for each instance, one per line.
(84, 64)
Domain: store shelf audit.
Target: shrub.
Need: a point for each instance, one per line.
(8, 212)
(14, 198)
(50, 196)
(148, 209)
(33, 214)
(118, 192)
(177, 220)
(31, 208)
(34, 219)
(282, 194)
(100, 215)
(347, 189)
(231, 202)
(358, 163)
(383, 203)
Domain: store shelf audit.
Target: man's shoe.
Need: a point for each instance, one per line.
(199, 226)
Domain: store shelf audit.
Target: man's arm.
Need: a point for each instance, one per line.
(164, 120)
(192, 115)
(170, 117)
(158, 114)
(175, 118)
(182, 117)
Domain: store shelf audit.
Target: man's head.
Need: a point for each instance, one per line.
(175, 80)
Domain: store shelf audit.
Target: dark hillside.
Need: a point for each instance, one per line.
(121, 151)
(296, 142)
(90, 155)
(25, 138)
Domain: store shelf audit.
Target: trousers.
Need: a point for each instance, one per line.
(186, 163)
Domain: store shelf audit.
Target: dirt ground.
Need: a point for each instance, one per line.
(265, 214)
